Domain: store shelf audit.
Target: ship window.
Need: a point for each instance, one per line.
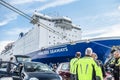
(58, 42)
(61, 21)
(52, 20)
(49, 20)
(75, 31)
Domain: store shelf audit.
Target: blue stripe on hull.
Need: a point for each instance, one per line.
(66, 52)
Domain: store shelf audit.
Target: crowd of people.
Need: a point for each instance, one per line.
(90, 68)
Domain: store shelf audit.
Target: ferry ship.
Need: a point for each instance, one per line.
(55, 40)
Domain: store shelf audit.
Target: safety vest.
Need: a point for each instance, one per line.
(87, 69)
(116, 63)
(73, 63)
(99, 70)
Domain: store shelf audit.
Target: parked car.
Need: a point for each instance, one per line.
(108, 76)
(63, 70)
(6, 78)
(27, 71)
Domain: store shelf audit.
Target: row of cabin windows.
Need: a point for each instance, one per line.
(60, 38)
(54, 43)
(63, 29)
(62, 32)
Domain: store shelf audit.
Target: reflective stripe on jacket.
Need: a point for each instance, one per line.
(73, 63)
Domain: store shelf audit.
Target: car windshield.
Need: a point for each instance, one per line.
(22, 59)
(65, 66)
(36, 67)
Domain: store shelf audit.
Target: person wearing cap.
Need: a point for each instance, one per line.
(87, 68)
(115, 64)
(73, 63)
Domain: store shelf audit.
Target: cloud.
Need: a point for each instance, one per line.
(118, 7)
(12, 16)
(14, 2)
(102, 17)
(54, 4)
(3, 44)
(4, 22)
(16, 31)
(12, 32)
(101, 25)
(93, 32)
(8, 17)
(110, 31)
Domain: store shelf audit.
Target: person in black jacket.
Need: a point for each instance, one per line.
(9, 65)
(99, 63)
(115, 65)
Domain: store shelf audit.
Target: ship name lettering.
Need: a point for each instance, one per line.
(59, 50)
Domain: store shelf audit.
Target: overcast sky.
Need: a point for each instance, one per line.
(97, 18)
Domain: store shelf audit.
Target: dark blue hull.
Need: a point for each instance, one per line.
(65, 52)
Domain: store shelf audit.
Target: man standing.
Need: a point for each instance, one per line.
(100, 68)
(87, 68)
(73, 63)
(115, 64)
(9, 66)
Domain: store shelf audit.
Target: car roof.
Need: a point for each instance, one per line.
(22, 56)
(32, 62)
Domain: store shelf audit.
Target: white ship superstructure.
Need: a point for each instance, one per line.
(39, 37)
